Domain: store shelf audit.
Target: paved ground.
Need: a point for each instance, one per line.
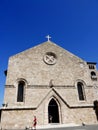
(86, 127)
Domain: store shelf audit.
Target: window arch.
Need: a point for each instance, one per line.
(93, 75)
(20, 91)
(80, 88)
(53, 111)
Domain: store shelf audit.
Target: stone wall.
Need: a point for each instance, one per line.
(21, 118)
(32, 67)
(34, 96)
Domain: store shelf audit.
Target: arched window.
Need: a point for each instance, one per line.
(20, 91)
(53, 112)
(80, 91)
(93, 75)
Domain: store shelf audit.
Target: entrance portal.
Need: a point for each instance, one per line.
(53, 113)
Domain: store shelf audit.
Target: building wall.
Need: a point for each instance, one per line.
(35, 95)
(24, 118)
(29, 66)
(69, 111)
(44, 82)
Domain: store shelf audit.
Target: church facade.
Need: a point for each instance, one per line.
(52, 84)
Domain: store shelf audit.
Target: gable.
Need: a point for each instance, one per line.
(40, 64)
(48, 47)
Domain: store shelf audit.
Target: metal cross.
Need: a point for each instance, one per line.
(48, 37)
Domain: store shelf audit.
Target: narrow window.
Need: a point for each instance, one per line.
(80, 91)
(20, 93)
(91, 67)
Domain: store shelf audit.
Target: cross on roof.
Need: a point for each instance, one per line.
(48, 37)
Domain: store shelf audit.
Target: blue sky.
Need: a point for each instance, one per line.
(72, 24)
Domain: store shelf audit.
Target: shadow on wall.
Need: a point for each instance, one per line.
(96, 108)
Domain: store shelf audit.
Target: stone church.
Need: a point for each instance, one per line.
(52, 84)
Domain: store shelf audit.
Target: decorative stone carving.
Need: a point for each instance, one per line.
(50, 58)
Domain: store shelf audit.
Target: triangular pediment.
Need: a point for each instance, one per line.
(45, 61)
(49, 46)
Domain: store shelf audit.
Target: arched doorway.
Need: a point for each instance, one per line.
(53, 112)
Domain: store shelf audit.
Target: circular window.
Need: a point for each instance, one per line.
(50, 58)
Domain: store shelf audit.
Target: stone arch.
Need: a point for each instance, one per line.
(79, 80)
(20, 79)
(93, 73)
(53, 111)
